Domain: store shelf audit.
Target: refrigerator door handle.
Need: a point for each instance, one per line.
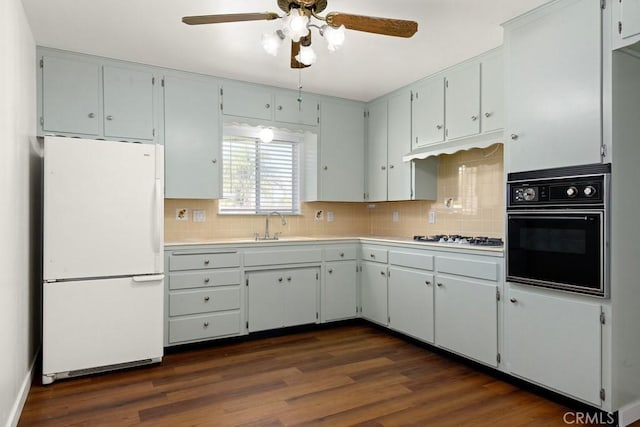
(150, 278)
(157, 238)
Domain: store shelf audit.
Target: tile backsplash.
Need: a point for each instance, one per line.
(470, 201)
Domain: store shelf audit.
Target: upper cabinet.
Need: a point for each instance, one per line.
(399, 176)
(192, 138)
(377, 152)
(463, 101)
(81, 96)
(553, 65)
(269, 104)
(626, 22)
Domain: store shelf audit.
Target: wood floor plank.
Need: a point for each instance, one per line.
(353, 374)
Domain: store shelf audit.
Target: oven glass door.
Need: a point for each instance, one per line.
(561, 250)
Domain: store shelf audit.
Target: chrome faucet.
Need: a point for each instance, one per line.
(283, 220)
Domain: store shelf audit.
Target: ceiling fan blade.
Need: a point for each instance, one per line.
(232, 17)
(295, 49)
(371, 24)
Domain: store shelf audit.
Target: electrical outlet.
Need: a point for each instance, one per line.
(395, 216)
(432, 217)
(330, 217)
(199, 215)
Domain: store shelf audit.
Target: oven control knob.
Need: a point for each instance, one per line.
(572, 192)
(589, 191)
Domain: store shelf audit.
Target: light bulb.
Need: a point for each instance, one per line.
(295, 24)
(266, 135)
(306, 55)
(333, 36)
(271, 42)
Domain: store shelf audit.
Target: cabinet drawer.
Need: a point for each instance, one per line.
(195, 261)
(340, 253)
(371, 253)
(200, 279)
(412, 260)
(282, 257)
(203, 327)
(194, 302)
(463, 267)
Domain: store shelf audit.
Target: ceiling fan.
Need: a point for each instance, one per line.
(297, 24)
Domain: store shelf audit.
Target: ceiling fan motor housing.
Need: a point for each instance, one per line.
(314, 5)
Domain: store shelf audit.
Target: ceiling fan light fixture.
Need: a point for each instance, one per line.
(271, 42)
(296, 24)
(307, 55)
(333, 36)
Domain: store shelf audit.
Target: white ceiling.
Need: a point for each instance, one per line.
(367, 66)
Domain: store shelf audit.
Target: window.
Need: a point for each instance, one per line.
(259, 177)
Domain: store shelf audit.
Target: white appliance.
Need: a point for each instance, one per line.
(103, 281)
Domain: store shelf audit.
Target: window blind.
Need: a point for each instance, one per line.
(258, 177)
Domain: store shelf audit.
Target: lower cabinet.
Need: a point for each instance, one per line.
(281, 298)
(411, 302)
(373, 292)
(466, 317)
(555, 341)
(339, 296)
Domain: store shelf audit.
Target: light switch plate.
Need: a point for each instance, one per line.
(330, 217)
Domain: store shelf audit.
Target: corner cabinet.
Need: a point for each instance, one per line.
(377, 141)
(553, 65)
(90, 97)
(555, 340)
(282, 298)
(192, 138)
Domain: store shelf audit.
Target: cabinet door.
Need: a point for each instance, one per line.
(247, 101)
(463, 101)
(411, 302)
(377, 152)
(128, 103)
(630, 11)
(339, 296)
(70, 96)
(467, 318)
(492, 94)
(265, 303)
(427, 113)
(553, 75)
(373, 292)
(556, 342)
(399, 144)
(300, 302)
(192, 139)
(342, 152)
(290, 110)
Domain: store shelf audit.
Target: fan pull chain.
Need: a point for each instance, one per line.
(299, 89)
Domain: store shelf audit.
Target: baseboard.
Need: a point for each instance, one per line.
(629, 413)
(16, 410)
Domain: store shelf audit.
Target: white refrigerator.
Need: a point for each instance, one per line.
(103, 281)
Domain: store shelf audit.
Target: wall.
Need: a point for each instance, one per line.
(19, 216)
(472, 180)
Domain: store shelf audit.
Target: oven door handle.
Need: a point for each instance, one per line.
(573, 218)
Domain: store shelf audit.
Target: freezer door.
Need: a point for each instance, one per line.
(103, 208)
(97, 323)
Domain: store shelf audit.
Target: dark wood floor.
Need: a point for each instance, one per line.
(352, 374)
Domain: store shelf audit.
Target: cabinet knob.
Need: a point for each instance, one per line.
(390, 166)
(428, 283)
(372, 255)
(267, 105)
(288, 279)
(384, 168)
(207, 280)
(279, 107)
(214, 161)
(279, 279)
(438, 127)
(514, 136)
(439, 285)
(341, 254)
(331, 271)
(513, 300)
(474, 118)
(206, 262)
(206, 299)
(487, 115)
(92, 115)
(382, 273)
(205, 324)
(325, 167)
(109, 118)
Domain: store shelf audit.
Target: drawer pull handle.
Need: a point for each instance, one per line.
(487, 115)
(428, 283)
(341, 254)
(331, 271)
(206, 324)
(206, 299)
(207, 280)
(288, 279)
(372, 255)
(439, 285)
(92, 115)
(279, 279)
(474, 118)
(513, 300)
(109, 118)
(206, 262)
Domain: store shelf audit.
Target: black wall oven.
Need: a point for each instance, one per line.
(557, 229)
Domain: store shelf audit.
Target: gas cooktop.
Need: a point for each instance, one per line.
(455, 239)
